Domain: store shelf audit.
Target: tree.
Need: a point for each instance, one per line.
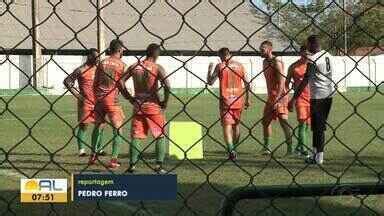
(368, 25)
(363, 22)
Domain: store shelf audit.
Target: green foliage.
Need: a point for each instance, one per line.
(362, 21)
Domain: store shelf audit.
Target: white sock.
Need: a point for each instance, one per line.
(319, 157)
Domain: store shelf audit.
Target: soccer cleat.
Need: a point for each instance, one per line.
(92, 159)
(82, 153)
(101, 153)
(131, 169)
(312, 160)
(304, 154)
(113, 164)
(159, 170)
(299, 151)
(265, 152)
(232, 156)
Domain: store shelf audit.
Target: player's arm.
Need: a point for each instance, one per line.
(311, 70)
(212, 77)
(121, 85)
(281, 80)
(289, 77)
(165, 84)
(69, 82)
(247, 89)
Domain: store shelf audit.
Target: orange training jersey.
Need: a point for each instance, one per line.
(107, 76)
(86, 82)
(231, 76)
(272, 81)
(299, 68)
(145, 76)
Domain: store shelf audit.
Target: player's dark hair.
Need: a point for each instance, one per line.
(91, 56)
(91, 50)
(267, 42)
(313, 43)
(152, 49)
(223, 52)
(115, 45)
(303, 48)
(313, 39)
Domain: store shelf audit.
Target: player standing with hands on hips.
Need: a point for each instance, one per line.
(148, 109)
(318, 74)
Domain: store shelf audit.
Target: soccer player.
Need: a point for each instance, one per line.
(276, 106)
(296, 72)
(318, 74)
(107, 88)
(85, 97)
(234, 96)
(148, 111)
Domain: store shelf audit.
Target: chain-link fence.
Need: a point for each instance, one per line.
(42, 42)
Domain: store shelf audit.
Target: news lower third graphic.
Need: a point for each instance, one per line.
(95, 187)
(43, 190)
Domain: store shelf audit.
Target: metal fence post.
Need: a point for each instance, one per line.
(345, 74)
(345, 29)
(186, 80)
(375, 63)
(369, 72)
(36, 48)
(100, 28)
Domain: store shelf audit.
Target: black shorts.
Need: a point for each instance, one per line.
(319, 113)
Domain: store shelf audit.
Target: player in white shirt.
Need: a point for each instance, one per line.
(319, 77)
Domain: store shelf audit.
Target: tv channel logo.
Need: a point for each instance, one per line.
(43, 190)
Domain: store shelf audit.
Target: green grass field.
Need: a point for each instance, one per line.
(354, 153)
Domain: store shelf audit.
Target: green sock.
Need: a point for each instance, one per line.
(231, 147)
(306, 136)
(289, 148)
(266, 143)
(100, 140)
(95, 139)
(134, 151)
(81, 138)
(160, 150)
(236, 141)
(117, 140)
(302, 133)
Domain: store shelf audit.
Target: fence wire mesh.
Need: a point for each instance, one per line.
(38, 130)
